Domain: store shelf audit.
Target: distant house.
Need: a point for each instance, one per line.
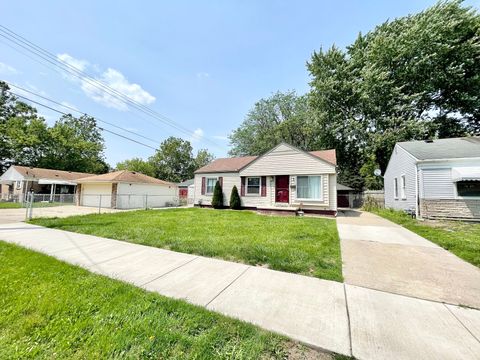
(17, 181)
(435, 178)
(283, 179)
(125, 190)
(345, 196)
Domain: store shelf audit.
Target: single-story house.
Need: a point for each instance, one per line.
(125, 190)
(283, 179)
(435, 178)
(183, 188)
(17, 181)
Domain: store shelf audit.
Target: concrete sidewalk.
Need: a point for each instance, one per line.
(341, 318)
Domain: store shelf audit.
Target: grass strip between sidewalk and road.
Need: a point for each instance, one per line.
(302, 245)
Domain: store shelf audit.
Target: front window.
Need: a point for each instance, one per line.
(253, 185)
(468, 188)
(211, 185)
(19, 185)
(403, 192)
(309, 187)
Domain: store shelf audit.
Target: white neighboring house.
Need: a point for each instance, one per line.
(283, 179)
(55, 185)
(125, 190)
(435, 178)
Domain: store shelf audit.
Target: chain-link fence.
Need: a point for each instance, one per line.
(129, 201)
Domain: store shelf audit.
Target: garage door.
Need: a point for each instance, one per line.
(96, 195)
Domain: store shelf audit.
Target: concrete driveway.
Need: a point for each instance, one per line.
(8, 216)
(381, 255)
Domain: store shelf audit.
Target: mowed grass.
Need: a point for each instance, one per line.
(303, 245)
(10, 205)
(460, 237)
(52, 310)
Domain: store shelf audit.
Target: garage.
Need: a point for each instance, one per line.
(126, 190)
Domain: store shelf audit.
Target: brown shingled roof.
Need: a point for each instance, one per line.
(40, 173)
(236, 163)
(124, 176)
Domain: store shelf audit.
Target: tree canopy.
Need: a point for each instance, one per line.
(173, 161)
(72, 144)
(411, 78)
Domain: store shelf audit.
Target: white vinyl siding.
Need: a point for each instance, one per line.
(229, 179)
(401, 164)
(285, 160)
(437, 184)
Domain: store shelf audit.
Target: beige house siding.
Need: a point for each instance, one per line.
(329, 184)
(284, 160)
(229, 179)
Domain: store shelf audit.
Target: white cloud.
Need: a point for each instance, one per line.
(197, 135)
(70, 60)
(112, 78)
(7, 69)
(203, 75)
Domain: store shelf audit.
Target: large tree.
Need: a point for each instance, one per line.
(411, 78)
(281, 117)
(174, 160)
(138, 165)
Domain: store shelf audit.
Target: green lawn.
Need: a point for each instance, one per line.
(10, 205)
(303, 245)
(459, 237)
(52, 310)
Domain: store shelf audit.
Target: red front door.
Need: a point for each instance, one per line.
(281, 188)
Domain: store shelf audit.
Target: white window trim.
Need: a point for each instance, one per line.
(18, 184)
(259, 186)
(395, 188)
(403, 187)
(309, 199)
(206, 184)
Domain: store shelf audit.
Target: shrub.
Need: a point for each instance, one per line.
(370, 204)
(235, 202)
(217, 200)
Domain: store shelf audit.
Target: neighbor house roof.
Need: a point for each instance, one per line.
(236, 163)
(186, 183)
(343, 187)
(465, 147)
(40, 173)
(124, 176)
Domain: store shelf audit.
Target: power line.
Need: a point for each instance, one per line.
(98, 84)
(81, 112)
(64, 113)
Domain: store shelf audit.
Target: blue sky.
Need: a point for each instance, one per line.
(202, 64)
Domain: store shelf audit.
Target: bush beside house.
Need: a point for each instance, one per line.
(217, 200)
(235, 202)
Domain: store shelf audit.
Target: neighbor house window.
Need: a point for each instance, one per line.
(211, 185)
(402, 189)
(395, 188)
(309, 187)
(18, 185)
(253, 185)
(468, 188)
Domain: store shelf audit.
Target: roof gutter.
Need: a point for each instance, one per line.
(448, 160)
